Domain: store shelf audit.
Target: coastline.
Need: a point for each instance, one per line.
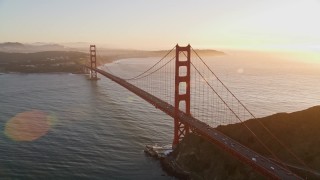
(68, 61)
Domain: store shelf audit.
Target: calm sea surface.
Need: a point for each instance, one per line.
(97, 130)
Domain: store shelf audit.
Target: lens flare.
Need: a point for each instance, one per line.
(28, 126)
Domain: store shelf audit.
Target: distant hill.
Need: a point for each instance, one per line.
(11, 45)
(18, 57)
(42, 62)
(299, 131)
(209, 52)
(16, 47)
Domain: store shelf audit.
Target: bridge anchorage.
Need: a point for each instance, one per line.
(186, 75)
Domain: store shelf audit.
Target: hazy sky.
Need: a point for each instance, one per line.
(156, 24)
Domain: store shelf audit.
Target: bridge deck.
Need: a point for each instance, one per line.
(255, 160)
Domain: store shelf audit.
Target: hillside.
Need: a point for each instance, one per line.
(16, 47)
(299, 131)
(44, 57)
(41, 62)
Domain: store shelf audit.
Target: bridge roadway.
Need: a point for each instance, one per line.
(260, 163)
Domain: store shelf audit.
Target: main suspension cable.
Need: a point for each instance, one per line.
(264, 127)
(152, 71)
(242, 122)
(151, 66)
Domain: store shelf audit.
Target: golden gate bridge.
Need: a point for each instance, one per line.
(193, 95)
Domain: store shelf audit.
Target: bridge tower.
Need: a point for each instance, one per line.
(182, 93)
(93, 62)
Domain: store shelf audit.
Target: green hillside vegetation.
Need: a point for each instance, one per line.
(299, 131)
(41, 62)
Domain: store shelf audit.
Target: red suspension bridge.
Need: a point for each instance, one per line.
(192, 94)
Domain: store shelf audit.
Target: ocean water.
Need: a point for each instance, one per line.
(85, 129)
(97, 130)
